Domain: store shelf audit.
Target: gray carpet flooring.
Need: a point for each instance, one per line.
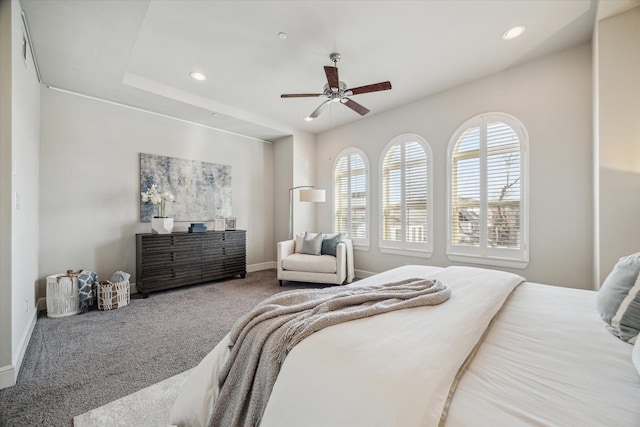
(77, 363)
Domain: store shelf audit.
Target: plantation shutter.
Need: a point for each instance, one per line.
(358, 191)
(465, 197)
(392, 194)
(350, 182)
(405, 193)
(486, 192)
(341, 196)
(503, 186)
(416, 192)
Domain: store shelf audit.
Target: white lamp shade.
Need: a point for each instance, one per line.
(312, 195)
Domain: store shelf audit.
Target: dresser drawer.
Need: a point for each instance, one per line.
(171, 257)
(170, 243)
(164, 277)
(214, 271)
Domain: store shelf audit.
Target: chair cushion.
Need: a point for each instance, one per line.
(310, 263)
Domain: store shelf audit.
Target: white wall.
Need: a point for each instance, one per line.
(90, 177)
(6, 366)
(552, 98)
(20, 193)
(304, 173)
(294, 159)
(617, 112)
(283, 180)
(25, 183)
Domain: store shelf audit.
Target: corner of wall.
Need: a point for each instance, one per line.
(282, 181)
(21, 192)
(616, 67)
(596, 159)
(21, 348)
(304, 173)
(6, 369)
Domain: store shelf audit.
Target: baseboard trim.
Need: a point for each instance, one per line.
(262, 266)
(24, 343)
(7, 376)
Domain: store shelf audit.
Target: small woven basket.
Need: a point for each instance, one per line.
(112, 295)
(62, 295)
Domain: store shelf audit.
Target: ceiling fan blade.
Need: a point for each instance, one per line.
(318, 110)
(370, 88)
(300, 95)
(356, 107)
(332, 76)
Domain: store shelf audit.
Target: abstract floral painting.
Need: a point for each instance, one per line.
(202, 190)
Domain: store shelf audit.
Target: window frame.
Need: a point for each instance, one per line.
(415, 249)
(484, 254)
(358, 244)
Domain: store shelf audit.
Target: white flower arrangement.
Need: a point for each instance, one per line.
(158, 198)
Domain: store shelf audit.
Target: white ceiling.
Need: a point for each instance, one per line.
(140, 53)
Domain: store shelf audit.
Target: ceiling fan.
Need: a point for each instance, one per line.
(336, 91)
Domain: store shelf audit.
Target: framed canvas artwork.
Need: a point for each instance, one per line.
(202, 190)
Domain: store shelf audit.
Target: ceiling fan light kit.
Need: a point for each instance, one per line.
(337, 91)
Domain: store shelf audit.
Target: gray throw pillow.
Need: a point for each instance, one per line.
(618, 300)
(330, 243)
(311, 244)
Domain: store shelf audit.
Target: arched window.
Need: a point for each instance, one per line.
(487, 192)
(351, 197)
(406, 214)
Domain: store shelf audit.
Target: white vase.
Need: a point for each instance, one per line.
(161, 225)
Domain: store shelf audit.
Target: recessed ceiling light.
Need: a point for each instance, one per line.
(282, 36)
(513, 32)
(198, 76)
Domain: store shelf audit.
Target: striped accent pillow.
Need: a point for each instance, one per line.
(618, 300)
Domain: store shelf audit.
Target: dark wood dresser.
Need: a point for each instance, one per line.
(165, 261)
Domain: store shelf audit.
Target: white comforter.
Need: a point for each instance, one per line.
(548, 360)
(394, 369)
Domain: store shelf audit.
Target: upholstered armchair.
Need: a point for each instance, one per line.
(293, 265)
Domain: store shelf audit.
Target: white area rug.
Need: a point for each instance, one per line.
(148, 407)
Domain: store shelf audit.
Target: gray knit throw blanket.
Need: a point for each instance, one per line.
(261, 339)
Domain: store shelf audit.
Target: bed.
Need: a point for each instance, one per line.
(499, 352)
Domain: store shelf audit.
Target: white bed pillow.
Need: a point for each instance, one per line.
(618, 300)
(635, 355)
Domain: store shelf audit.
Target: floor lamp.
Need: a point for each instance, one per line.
(308, 193)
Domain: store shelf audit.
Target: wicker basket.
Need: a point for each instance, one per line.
(62, 295)
(112, 295)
